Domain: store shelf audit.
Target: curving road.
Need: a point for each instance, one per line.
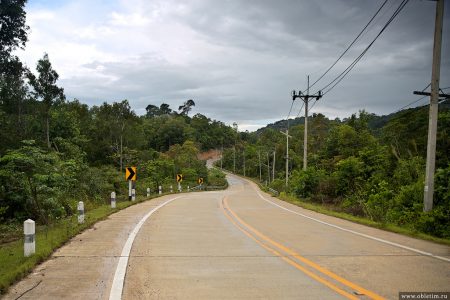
(235, 244)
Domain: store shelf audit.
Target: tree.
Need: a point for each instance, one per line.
(13, 31)
(45, 88)
(152, 111)
(186, 107)
(165, 109)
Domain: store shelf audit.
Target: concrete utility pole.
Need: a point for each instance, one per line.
(234, 159)
(259, 160)
(268, 167)
(305, 99)
(243, 153)
(273, 166)
(287, 151)
(434, 104)
(221, 158)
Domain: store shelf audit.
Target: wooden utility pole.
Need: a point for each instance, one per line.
(434, 104)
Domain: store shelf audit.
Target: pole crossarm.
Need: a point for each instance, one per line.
(306, 97)
(429, 94)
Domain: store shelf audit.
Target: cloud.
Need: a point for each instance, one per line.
(237, 59)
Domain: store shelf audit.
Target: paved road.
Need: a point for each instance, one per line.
(236, 244)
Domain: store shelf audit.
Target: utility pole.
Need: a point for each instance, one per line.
(244, 161)
(234, 159)
(434, 104)
(287, 151)
(221, 157)
(273, 166)
(268, 167)
(306, 98)
(259, 160)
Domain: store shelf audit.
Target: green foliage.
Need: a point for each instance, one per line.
(306, 183)
(379, 201)
(216, 178)
(372, 171)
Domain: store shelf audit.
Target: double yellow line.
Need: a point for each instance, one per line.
(276, 247)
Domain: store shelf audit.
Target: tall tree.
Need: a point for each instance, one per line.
(46, 90)
(165, 109)
(186, 107)
(13, 30)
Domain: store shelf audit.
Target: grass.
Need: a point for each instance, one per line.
(14, 266)
(360, 220)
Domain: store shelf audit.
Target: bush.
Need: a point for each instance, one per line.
(306, 183)
(349, 175)
(379, 202)
(216, 178)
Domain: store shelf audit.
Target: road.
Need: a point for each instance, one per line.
(235, 244)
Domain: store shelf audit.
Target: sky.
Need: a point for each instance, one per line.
(238, 60)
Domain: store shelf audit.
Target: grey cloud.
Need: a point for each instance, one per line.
(267, 49)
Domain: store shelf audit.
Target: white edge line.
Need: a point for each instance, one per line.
(119, 276)
(355, 232)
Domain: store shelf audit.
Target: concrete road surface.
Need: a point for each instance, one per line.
(235, 244)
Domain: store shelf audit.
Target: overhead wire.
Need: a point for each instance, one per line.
(344, 73)
(351, 44)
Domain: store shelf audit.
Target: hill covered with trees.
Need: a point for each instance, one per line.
(366, 165)
(55, 152)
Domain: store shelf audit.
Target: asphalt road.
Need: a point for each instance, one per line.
(235, 244)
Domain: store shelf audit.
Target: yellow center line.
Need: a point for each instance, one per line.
(291, 262)
(291, 252)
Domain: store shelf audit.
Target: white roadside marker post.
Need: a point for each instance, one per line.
(148, 192)
(188, 189)
(160, 190)
(113, 199)
(133, 194)
(171, 189)
(29, 246)
(80, 212)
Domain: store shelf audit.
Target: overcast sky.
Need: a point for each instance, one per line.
(238, 60)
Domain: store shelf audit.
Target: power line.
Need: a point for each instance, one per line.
(290, 110)
(344, 73)
(351, 44)
(301, 108)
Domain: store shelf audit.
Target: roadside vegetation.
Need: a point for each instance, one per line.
(55, 152)
(367, 166)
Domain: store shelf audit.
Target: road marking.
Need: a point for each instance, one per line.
(290, 261)
(356, 232)
(119, 276)
(315, 266)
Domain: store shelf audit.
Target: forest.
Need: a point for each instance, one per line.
(55, 152)
(366, 165)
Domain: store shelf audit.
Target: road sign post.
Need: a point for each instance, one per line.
(130, 176)
(133, 194)
(130, 187)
